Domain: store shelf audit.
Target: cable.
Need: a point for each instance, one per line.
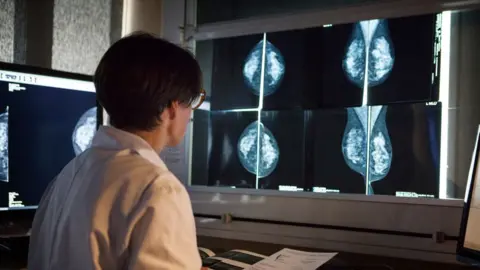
(5, 247)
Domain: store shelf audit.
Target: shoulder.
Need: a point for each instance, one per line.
(156, 178)
(167, 188)
(138, 171)
(157, 181)
(165, 200)
(130, 181)
(154, 175)
(163, 189)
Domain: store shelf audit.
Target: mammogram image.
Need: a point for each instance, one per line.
(366, 145)
(248, 150)
(84, 131)
(4, 147)
(272, 69)
(370, 51)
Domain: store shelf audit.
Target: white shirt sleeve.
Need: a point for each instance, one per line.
(163, 232)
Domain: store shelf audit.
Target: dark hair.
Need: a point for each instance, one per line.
(141, 75)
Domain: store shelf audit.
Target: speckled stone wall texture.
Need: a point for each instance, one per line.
(81, 34)
(7, 18)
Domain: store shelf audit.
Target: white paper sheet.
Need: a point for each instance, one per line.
(290, 259)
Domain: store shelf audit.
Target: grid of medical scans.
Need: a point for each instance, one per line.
(351, 108)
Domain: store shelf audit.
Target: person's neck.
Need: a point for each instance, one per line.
(157, 139)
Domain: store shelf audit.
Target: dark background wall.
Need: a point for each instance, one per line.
(68, 35)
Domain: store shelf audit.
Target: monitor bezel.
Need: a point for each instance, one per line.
(465, 254)
(27, 212)
(44, 71)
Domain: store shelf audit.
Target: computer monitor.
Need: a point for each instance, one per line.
(468, 249)
(47, 117)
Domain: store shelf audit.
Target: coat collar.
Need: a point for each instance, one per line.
(115, 139)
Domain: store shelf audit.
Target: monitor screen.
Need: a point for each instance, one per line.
(469, 240)
(46, 119)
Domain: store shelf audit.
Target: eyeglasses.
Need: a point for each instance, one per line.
(197, 102)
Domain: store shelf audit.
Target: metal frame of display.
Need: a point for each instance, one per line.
(315, 18)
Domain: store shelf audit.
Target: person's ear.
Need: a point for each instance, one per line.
(172, 110)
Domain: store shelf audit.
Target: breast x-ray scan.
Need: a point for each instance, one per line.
(395, 151)
(340, 92)
(414, 136)
(236, 65)
(240, 63)
(389, 62)
(264, 61)
(370, 54)
(245, 68)
(246, 149)
(4, 145)
(84, 131)
(232, 161)
(258, 150)
(366, 144)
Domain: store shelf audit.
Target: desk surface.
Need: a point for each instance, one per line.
(343, 261)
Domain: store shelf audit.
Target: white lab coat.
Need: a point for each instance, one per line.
(115, 206)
